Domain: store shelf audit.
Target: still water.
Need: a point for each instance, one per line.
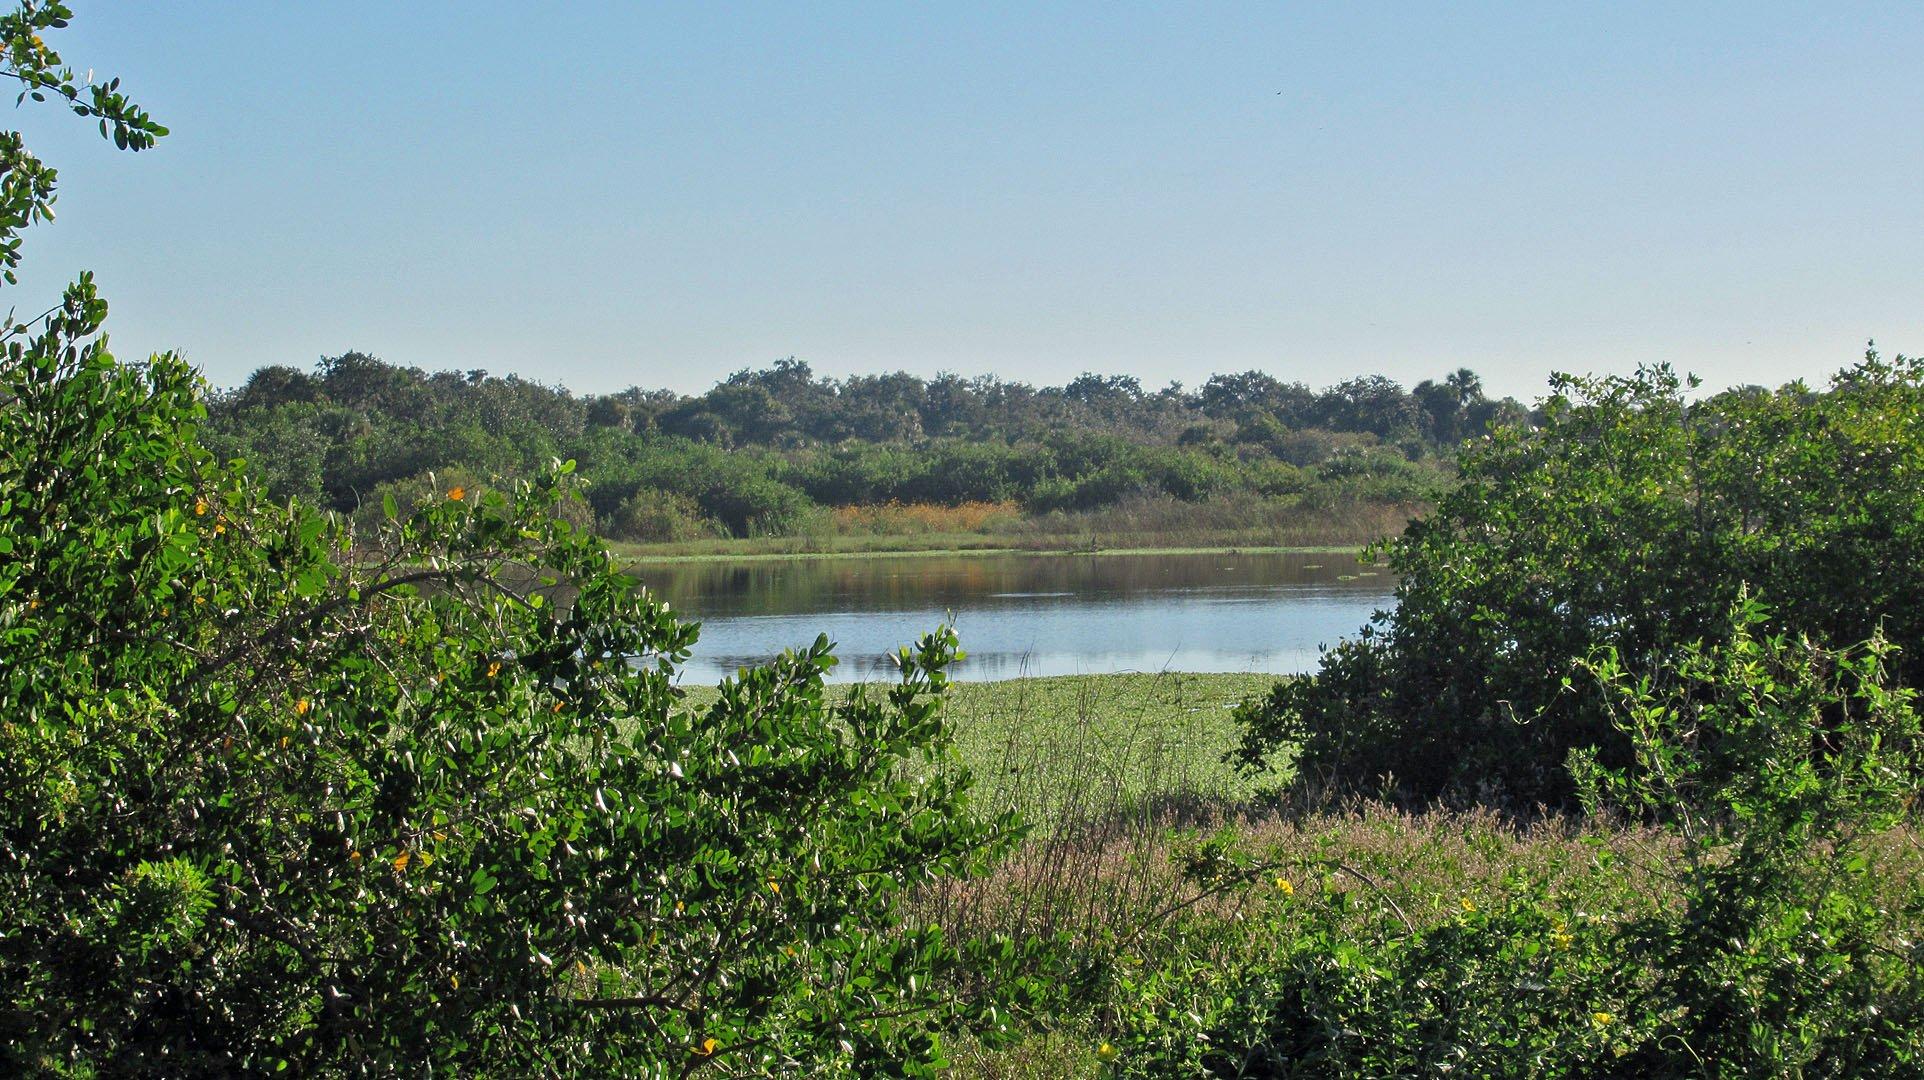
(1020, 615)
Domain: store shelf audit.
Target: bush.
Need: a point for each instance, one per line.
(1783, 768)
(660, 516)
(268, 804)
(1627, 519)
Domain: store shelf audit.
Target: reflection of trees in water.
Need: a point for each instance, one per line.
(895, 584)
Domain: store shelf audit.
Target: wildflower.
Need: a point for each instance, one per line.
(1468, 904)
(454, 981)
(1283, 886)
(708, 1046)
(1107, 1052)
(401, 861)
(200, 507)
(456, 494)
(354, 857)
(1601, 1019)
(775, 887)
(219, 528)
(494, 669)
(302, 706)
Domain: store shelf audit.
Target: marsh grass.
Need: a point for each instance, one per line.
(1244, 520)
(1139, 523)
(1147, 855)
(923, 519)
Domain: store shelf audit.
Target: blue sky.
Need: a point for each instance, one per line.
(619, 194)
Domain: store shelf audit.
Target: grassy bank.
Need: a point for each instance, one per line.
(1137, 525)
(724, 555)
(1173, 885)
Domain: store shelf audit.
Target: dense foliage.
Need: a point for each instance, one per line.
(266, 803)
(1769, 951)
(764, 450)
(1627, 518)
(426, 801)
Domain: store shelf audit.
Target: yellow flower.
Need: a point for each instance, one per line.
(1283, 886)
(354, 856)
(775, 887)
(1601, 1019)
(200, 507)
(1468, 904)
(494, 669)
(708, 1046)
(302, 706)
(1107, 1052)
(457, 493)
(219, 528)
(401, 861)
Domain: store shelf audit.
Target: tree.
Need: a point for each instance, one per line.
(1630, 519)
(276, 797)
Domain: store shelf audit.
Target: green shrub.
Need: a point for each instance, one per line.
(1786, 772)
(659, 516)
(268, 805)
(1627, 518)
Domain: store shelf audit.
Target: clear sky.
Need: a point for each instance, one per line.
(607, 194)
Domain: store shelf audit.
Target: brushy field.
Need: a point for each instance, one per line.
(1171, 882)
(1240, 522)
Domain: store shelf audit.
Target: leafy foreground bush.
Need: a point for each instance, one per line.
(269, 802)
(1787, 771)
(1628, 519)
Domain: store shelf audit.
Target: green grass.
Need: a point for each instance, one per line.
(1050, 747)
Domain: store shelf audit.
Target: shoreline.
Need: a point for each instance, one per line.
(631, 557)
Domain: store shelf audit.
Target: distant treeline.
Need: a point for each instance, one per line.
(763, 450)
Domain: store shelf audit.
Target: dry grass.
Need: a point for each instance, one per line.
(923, 519)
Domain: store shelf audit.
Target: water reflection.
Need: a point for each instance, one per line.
(1029, 614)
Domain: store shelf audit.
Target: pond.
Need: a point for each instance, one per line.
(1028, 614)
